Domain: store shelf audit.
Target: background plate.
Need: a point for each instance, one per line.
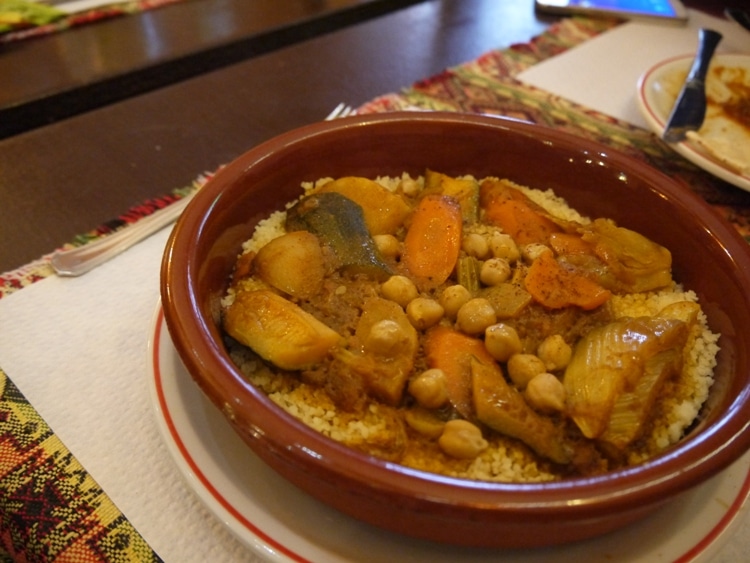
(655, 102)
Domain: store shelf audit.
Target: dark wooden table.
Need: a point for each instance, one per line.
(66, 178)
(55, 76)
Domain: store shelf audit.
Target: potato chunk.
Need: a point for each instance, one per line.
(278, 330)
(387, 347)
(293, 263)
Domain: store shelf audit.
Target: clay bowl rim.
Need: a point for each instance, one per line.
(692, 461)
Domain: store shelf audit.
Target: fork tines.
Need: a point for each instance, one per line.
(341, 110)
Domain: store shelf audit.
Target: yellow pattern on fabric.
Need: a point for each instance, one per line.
(50, 507)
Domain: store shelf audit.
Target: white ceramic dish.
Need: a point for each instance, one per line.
(281, 524)
(655, 103)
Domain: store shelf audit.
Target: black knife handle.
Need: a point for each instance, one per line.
(708, 39)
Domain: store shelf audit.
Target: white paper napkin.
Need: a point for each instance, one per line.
(602, 73)
(77, 349)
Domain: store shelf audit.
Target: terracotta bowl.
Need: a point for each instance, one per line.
(709, 257)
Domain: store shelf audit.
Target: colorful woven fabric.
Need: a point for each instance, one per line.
(50, 507)
(117, 9)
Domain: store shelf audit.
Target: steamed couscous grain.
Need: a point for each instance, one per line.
(315, 395)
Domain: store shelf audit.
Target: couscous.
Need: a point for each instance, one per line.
(472, 328)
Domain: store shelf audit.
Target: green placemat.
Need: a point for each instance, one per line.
(23, 19)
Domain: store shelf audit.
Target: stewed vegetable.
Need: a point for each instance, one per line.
(474, 317)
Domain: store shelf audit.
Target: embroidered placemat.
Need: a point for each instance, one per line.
(39, 473)
(50, 507)
(17, 24)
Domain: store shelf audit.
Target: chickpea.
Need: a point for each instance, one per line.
(545, 393)
(494, 271)
(387, 245)
(523, 367)
(429, 388)
(554, 352)
(476, 245)
(399, 289)
(453, 298)
(462, 440)
(475, 316)
(531, 252)
(425, 422)
(385, 338)
(424, 312)
(502, 245)
(502, 341)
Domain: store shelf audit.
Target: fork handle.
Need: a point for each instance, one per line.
(80, 260)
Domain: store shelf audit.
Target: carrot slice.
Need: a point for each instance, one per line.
(509, 209)
(555, 287)
(433, 241)
(452, 352)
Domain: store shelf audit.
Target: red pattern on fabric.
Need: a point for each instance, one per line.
(50, 508)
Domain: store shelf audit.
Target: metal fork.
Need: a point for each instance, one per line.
(79, 260)
(341, 110)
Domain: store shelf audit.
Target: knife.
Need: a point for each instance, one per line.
(690, 108)
(740, 16)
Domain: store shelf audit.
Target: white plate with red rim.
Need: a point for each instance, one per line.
(282, 524)
(656, 95)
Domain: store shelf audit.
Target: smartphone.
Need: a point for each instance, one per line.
(670, 11)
